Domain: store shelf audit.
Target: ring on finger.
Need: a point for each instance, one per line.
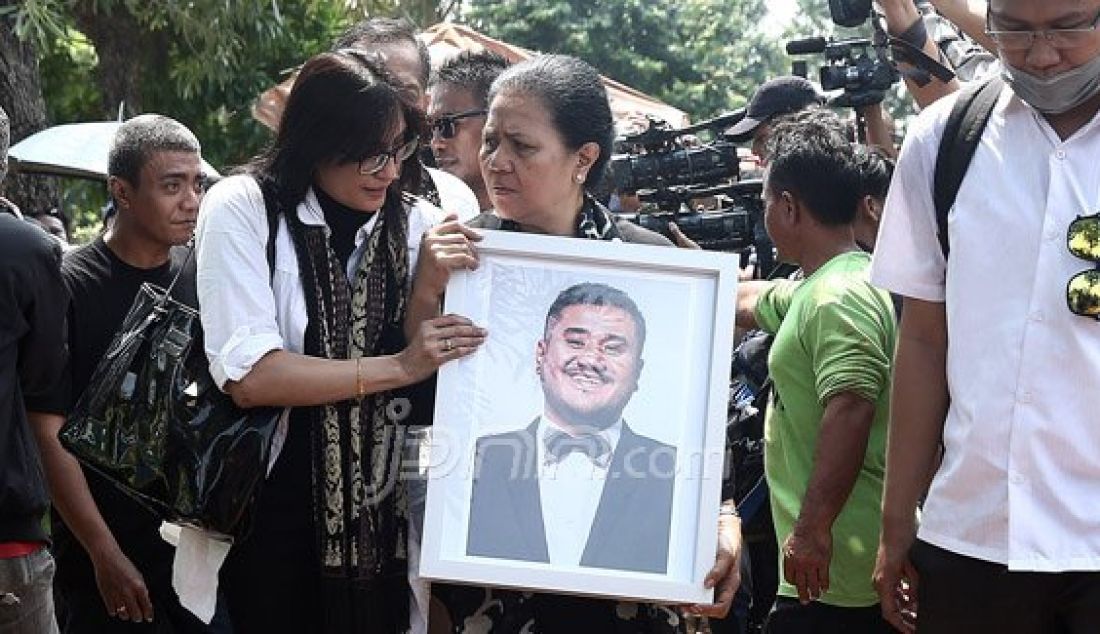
(447, 345)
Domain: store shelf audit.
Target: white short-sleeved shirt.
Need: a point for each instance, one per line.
(1020, 479)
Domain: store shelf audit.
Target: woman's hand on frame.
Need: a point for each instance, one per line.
(446, 247)
(438, 341)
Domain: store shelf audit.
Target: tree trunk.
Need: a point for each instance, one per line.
(21, 97)
(120, 46)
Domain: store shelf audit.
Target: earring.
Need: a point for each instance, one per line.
(579, 178)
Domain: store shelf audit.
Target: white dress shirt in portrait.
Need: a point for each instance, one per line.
(570, 491)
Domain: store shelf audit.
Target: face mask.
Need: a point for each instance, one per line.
(1057, 94)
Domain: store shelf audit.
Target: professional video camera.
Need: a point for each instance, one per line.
(669, 172)
(858, 66)
(861, 67)
(865, 68)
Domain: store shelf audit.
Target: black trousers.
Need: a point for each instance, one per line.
(962, 594)
(271, 579)
(788, 616)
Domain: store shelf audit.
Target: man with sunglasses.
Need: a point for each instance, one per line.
(458, 102)
(999, 351)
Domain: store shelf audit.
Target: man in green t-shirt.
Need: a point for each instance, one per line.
(825, 431)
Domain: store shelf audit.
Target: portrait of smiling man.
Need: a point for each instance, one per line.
(577, 486)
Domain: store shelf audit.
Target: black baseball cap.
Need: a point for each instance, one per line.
(781, 95)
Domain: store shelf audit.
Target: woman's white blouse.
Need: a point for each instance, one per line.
(247, 309)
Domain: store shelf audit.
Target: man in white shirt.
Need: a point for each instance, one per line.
(577, 486)
(1009, 538)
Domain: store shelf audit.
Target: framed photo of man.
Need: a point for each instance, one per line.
(580, 450)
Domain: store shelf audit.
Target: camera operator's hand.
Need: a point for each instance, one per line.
(904, 21)
(900, 14)
(446, 247)
(969, 16)
(879, 127)
(681, 239)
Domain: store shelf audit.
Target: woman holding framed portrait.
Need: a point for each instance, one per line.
(304, 261)
(547, 142)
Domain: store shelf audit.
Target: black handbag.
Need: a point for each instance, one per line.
(154, 423)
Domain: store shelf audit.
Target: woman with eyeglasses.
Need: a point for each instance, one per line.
(304, 261)
(546, 144)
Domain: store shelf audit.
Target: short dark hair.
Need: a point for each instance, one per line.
(374, 31)
(341, 109)
(138, 139)
(876, 169)
(812, 158)
(474, 71)
(5, 141)
(595, 294)
(573, 93)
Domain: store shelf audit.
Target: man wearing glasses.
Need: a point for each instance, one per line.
(999, 352)
(459, 93)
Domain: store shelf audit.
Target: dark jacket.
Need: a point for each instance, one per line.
(32, 361)
(631, 527)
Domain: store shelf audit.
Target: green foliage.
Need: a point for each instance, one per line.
(703, 56)
(202, 62)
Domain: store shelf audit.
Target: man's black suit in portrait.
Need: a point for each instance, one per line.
(578, 486)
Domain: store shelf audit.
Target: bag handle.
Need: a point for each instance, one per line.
(158, 310)
(961, 136)
(179, 273)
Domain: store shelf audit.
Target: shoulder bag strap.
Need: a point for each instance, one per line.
(960, 140)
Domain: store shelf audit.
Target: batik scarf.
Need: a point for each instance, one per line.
(594, 222)
(359, 505)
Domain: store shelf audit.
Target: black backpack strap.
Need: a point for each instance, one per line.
(271, 204)
(960, 140)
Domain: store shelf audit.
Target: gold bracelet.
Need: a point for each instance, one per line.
(728, 508)
(360, 389)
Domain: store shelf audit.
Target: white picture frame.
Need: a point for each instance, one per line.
(687, 298)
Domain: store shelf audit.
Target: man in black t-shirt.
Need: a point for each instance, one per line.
(114, 571)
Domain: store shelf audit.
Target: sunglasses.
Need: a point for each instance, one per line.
(377, 162)
(1083, 290)
(445, 125)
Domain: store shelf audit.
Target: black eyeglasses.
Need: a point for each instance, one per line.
(1083, 290)
(445, 124)
(377, 162)
(1061, 39)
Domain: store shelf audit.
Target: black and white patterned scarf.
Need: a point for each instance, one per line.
(359, 505)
